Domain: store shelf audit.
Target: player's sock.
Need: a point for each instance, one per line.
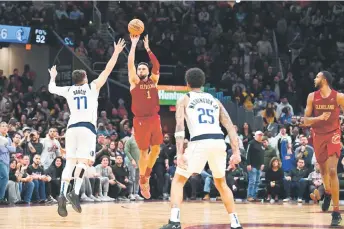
(64, 187)
(67, 176)
(234, 220)
(79, 176)
(175, 215)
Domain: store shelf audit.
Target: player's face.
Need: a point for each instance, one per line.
(319, 80)
(142, 71)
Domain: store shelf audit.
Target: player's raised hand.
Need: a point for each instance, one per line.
(182, 162)
(146, 42)
(53, 72)
(119, 46)
(134, 39)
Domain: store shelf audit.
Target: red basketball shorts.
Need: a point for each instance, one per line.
(147, 131)
(326, 145)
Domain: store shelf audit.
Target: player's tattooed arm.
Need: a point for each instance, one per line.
(340, 100)
(308, 120)
(227, 123)
(156, 65)
(133, 78)
(180, 127)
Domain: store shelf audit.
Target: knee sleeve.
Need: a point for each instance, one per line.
(80, 170)
(68, 170)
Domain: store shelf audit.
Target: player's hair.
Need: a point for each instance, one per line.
(328, 76)
(78, 76)
(195, 77)
(143, 63)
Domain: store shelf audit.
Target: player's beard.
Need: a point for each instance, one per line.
(142, 77)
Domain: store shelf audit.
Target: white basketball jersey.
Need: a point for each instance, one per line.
(83, 103)
(202, 114)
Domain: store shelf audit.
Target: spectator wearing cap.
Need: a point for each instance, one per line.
(30, 143)
(5, 151)
(255, 164)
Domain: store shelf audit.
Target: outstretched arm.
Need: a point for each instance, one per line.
(180, 127)
(133, 78)
(52, 88)
(340, 100)
(156, 65)
(227, 123)
(308, 120)
(102, 78)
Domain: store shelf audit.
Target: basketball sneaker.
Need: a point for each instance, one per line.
(336, 219)
(75, 201)
(144, 187)
(172, 225)
(62, 209)
(326, 202)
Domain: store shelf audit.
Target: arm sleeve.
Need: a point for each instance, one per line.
(61, 91)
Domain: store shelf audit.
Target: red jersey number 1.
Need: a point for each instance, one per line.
(148, 95)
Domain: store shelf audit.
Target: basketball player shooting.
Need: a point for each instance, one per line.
(322, 114)
(145, 106)
(82, 99)
(203, 114)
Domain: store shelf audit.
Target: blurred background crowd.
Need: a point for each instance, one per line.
(264, 55)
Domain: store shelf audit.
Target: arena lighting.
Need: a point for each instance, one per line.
(237, 1)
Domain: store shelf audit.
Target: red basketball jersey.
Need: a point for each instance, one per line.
(321, 105)
(145, 99)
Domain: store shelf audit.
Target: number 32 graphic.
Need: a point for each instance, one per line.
(205, 115)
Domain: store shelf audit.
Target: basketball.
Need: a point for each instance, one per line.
(136, 27)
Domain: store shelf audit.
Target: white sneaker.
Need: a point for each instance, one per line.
(108, 199)
(137, 197)
(286, 200)
(131, 197)
(94, 198)
(272, 201)
(85, 198)
(299, 200)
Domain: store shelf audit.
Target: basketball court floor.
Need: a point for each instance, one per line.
(152, 215)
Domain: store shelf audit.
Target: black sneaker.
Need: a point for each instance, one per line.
(336, 219)
(75, 201)
(62, 209)
(172, 225)
(237, 227)
(21, 202)
(326, 202)
(4, 202)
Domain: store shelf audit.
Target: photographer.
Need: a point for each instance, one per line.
(30, 143)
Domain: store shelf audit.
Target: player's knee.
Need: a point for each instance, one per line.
(220, 183)
(333, 172)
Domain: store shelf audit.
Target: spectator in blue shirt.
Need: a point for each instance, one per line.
(5, 150)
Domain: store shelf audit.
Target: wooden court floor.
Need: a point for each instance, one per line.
(151, 215)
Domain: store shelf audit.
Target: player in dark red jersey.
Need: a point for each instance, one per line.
(145, 106)
(322, 114)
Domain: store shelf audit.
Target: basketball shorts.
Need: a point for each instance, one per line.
(198, 153)
(81, 142)
(147, 131)
(326, 145)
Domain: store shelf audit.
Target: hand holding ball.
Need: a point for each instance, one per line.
(136, 27)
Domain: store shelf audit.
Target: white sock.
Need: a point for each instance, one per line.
(105, 193)
(234, 220)
(175, 215)
(64, 188)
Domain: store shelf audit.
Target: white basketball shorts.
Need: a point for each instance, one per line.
(80, 143)
(198, 153)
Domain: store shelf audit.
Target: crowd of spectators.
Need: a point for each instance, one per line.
(233, 44)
